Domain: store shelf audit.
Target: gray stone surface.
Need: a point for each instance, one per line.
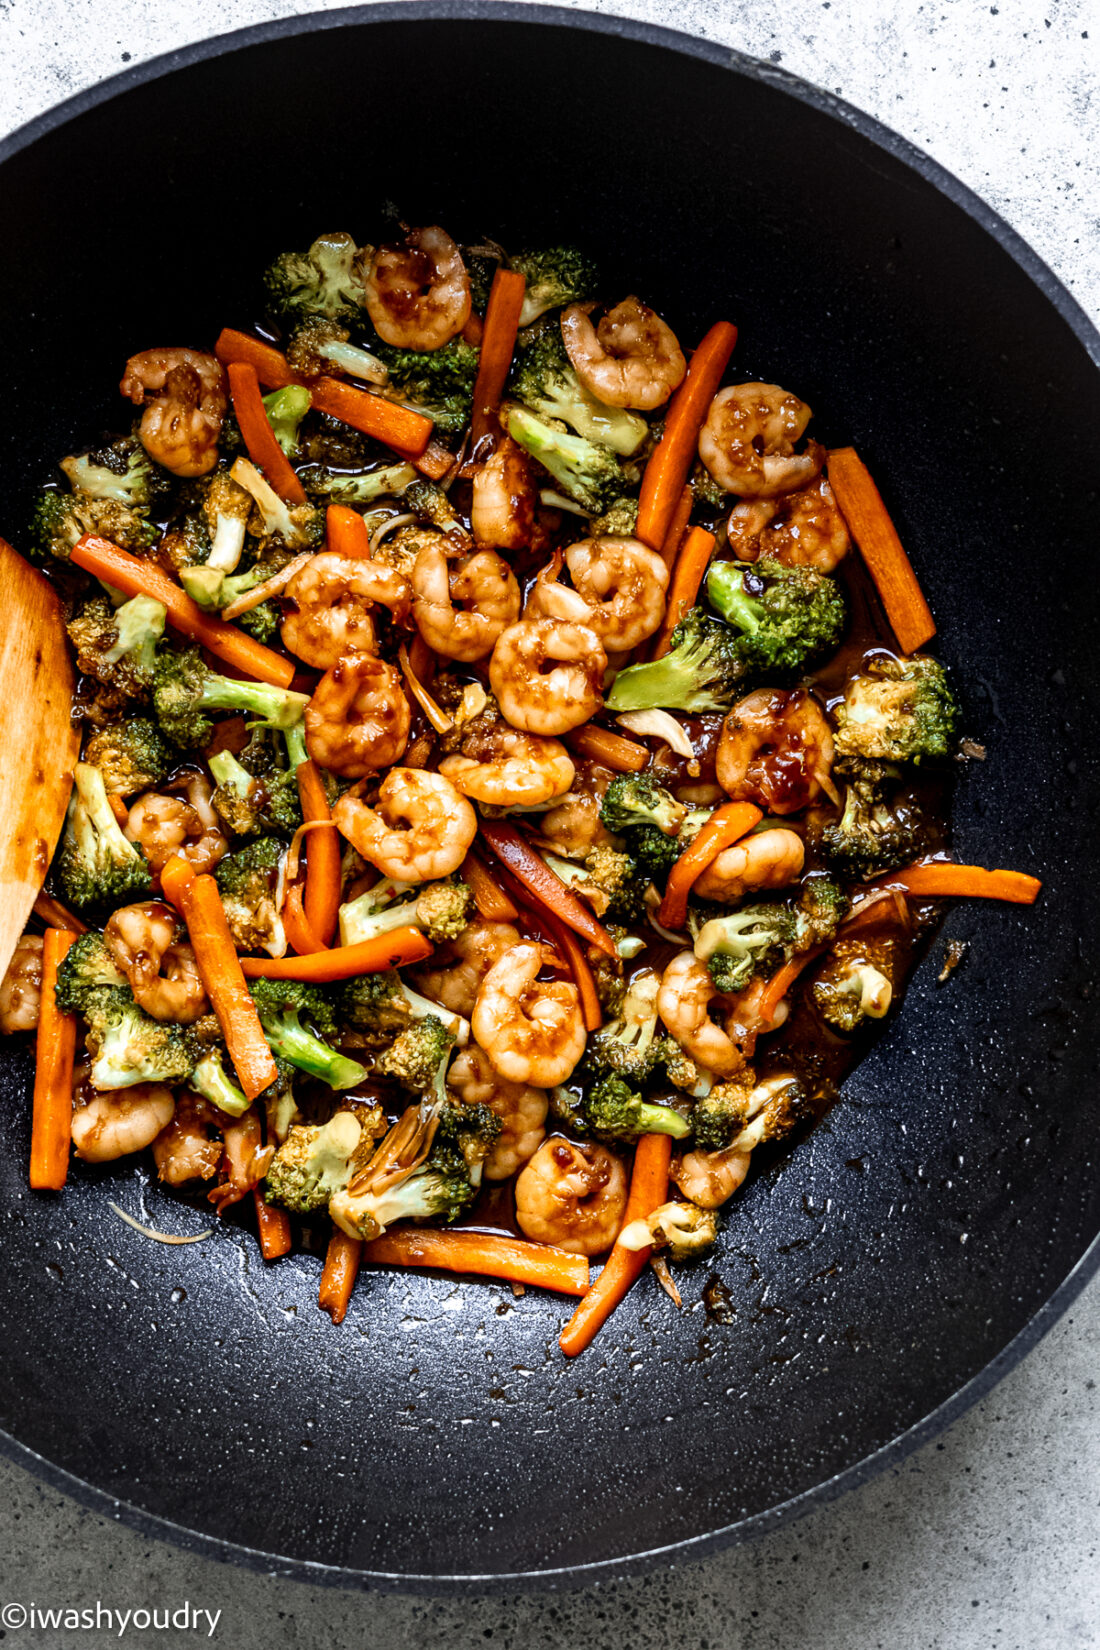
(986, 1539)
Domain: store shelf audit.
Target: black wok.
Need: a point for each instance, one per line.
(887, 1269)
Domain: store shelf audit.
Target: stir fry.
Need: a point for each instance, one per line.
(506, 801)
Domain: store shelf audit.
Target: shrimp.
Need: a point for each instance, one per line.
(183, 392)
(420, 830)
(122, 1121)
(186, 1149)
(330, 607)
(747, 442)
(770, 859)
(571, 1196)
(417, 294)
(358, 719)
(776, 749)
(502, 514)
(803, 529)
(163, 825)
(574, 827)
(144, 941)
(455, 980)
(461, 609)
(531, 1029)
(624, 584)
(549, 702)
(521, 1109)
(710, 1178)
(631, 359)
(21, 988)
(507, 769)
(683, 1003)
(246, 1160)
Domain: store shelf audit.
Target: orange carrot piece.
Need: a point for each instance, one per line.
(862, 508)
(56, 915)
(435, 461)
(199, 902)
(677, 527)
(258, 436)
(611, 749)
(939, 878)
(725, 826)
(648, 1190)
(567, 941)
(399, 427)
(273, 1226)
(52, 1111)
(671, 460)
(485, 1255)
(270, 365)
(323, 856)
(687, 576)
(492, 902)
(343, 962)
(119, 809)
(498, 343)
(299, 935)
(338, 1274)
(137, 577)
(533, 874)
(346, 532)
(781, 982)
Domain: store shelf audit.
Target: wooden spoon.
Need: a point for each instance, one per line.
(38, 743)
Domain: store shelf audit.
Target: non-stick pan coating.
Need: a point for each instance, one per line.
(882, 1264)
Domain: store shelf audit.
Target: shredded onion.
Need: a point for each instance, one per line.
(658, 724)
(664, 1278)
(390, 525)
(270, 587)
(158, 1237)
(438, 717)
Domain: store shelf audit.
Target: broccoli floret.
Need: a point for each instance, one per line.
(620, 522)
(706, 490)
(754, 940)
(786, 616)
(433, 508)
(224, 514)
(238, 796)
(86, 967)
(117, 645)
(285, 410)
(381, 1005)
(683, 1229)
(556, 276)
(897, 710)
(856, 982)
(703, 671)
(739, 1116)
(129, 1047)
(248, 881)
(868, 837)
(323, 281)
(721, 1114)
(261, 622)
(442, 910)
(321, 346)
(213, 1082)
(628, 1046)
(438, 383)
(611, 1110)
(440, 1188)
(822, 907)
(469, 1131)
(58, 520)
(616, 877)
(132, 756)
(418, 1056)
(637, 799)
(366, 487)
(184, 690)
(252, 795)
(284, 527)
(313, 1163)
(96, 864)
(543, 380)
(589, 474)
(281, 1005)
(121, 473)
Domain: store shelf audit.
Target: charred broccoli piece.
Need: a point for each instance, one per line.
(755, 940)
(543, 379)
(556, 276)
(655, 853)
(248, 883)
(283, 527)
(438, 1189)
(634, 799)
(120, 473)
(323, 281)
(282, 1005)
(786, 616)
(897, 710)
(132, 756)
(703, 671)
(628, 1046)
(184, 690)
(96, 864)
(438, 383)
(117, 645)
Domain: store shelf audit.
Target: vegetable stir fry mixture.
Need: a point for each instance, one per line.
(514, 774)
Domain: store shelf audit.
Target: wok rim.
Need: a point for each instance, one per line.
(1087, 334)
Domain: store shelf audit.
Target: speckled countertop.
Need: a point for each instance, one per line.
(986, 1539)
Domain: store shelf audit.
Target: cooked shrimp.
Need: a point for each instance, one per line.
(624, 584)
(683, 1003)
(21, 988)
(144, 941)
(531, 1029)
(803, 529)
(770, 859)
(502, 514)
(461, 609)
(246, 1160)
(188, 1149)
(417, 294)
(358, 719)
(521, 1109)
(537, 700)
(505, 768)
(747, 442)
(122, 1121)
(183, 392)
(456, 978)
(331, 599)
(631, 359)
(573, 1197)
(574, 827)
(776, 749)
(419, 831)
(710, 1178)
(164, 824)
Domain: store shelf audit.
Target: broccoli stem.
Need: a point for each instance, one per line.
(274, 707)
(726, 594)
(295, 737)
(310, 1055)
(654, 1119)
(210, 1079)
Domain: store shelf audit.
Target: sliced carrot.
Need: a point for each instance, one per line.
(781, 982)
(687, 576)
(648, 1190)
(136, 577)
(435, 461)
(567, 941)
(492, 902)
(323, 856)
(199, 902)
(343, 962)
(534, 875)
(258, 436)
(671, 460)
(119, 809)
(939, 878)
(608, 748)
(399, 427)
(485, 1255)
(862, 508)
(52, 1107)
(299, 935)
(269, 364)
(273, 1225)
(56, 915)
(677, 527)
(725, 826)
(338, 1274)
(498, 344)
(346, 532)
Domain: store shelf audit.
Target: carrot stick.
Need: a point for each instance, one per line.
(259, 437)
(323, 880)
(435, 461)
(939, 878)
(199, 902)
(492, 902)
(648, 1189)
(567, 941)
(623, 755)
(533, 874)
(399, 427)
(484, 1255)
(299, 935)
(498, 342)
(143, 578)
(781, 981)
(274, 1227)
(343, 962)
(671, 460)
(52, 1112)
(270, 365)
(687, 576)
(725, 826)
(678, 526)
(56, 915)
(346, 532)
(862, 507)
(338, 1274)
